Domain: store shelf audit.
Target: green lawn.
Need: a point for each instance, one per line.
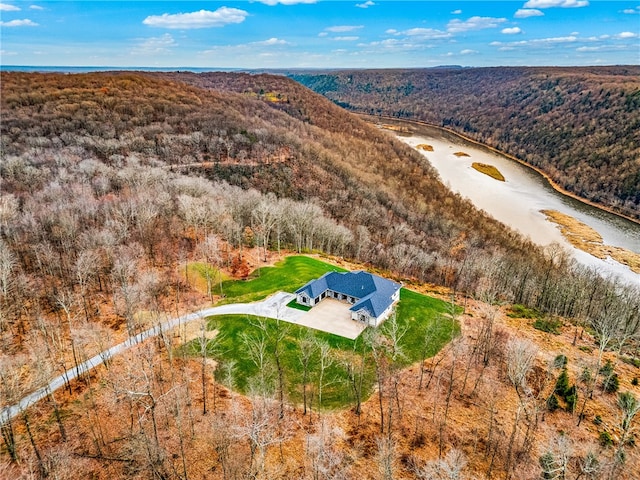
(294, 304)
(287, 275)
(426, 322)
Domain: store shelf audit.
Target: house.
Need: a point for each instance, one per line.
(372, 297)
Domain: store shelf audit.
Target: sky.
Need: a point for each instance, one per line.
(269, 34)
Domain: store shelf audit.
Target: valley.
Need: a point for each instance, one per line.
(577, 124)
(131, 202)
(522, 201)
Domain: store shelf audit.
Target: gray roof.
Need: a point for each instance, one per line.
(373, 293)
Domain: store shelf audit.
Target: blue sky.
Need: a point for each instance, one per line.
(308, 33)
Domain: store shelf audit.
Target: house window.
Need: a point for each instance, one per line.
(362, 317)
(304, 299)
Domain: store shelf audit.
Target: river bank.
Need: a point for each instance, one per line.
(521, 198)
(553, 184)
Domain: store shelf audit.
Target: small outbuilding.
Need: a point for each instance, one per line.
(371, 296)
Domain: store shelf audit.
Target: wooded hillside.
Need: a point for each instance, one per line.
(125, 198)
(579, 125)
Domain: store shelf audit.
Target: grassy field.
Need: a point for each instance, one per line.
(287, 275)
(426, 323)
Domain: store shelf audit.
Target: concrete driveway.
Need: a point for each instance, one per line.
(329, 316)
(334, 317)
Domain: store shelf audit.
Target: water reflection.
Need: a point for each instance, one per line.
(518, 201)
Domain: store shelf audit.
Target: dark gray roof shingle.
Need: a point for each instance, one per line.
(373, 293)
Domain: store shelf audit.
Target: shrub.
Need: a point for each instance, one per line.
(631, 361)
(607, 368)
(548, 465)
(562, 383)
(585, 348)
(520, 311)
(549, 325)
(605, 439)
(597, 420)
(552, 403)
(611, 384)
(571, 397)
(560, 361)
(634, 382)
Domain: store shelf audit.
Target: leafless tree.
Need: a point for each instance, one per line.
(209, 249)
(448, 468)
(629, 408)
(520, 355)
(325, 361)
(326, 460)
(308, 349)
(556, 459)
(264, 219)
(386, 457)
(206, 346)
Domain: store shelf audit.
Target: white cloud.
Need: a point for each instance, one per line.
(271, 42)
(556, 3)
(632, 11)
(537, 42)
(202, 19)
(271, 3)
(467, 51)
(511, 31)
(6, 53)
(554, 40)
(5, 7)
(624, 35)
(36, 7)
(19, 23)
(392, 31)
(391, 45)
(153, 45)
(346, 39)
(366, 4)
(343, 28)
(323, 34)
(473, 23)
(456, 12)
(527, 12)
(426, 33)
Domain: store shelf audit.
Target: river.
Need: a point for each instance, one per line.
(518, 200)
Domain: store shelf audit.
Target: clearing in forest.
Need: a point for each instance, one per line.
(269, 355)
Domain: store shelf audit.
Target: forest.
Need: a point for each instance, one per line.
(118, 188)
(579, 125)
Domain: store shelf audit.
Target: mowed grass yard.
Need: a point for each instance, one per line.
(287, 276)
(426, 323)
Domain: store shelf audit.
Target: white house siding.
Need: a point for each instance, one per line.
(355, 316)
(303, 299)
(386, 314)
